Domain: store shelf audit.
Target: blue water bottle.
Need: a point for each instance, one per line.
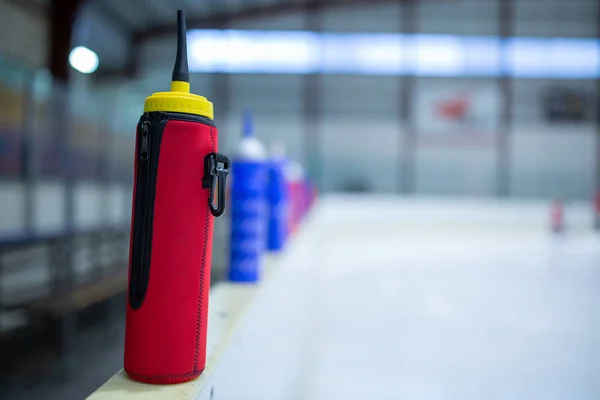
(279, 199)
(249, 210)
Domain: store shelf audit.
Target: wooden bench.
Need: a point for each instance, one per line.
(51, 310)
(57, 305)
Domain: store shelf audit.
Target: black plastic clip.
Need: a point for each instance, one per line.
(216, 169)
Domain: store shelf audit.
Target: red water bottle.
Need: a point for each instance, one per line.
(294, 176)
(557, 216)
(597, 210)
(180, 181)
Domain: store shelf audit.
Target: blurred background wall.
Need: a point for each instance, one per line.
(443, 115)
(503, 144)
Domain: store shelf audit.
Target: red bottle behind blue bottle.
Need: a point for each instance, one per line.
(279, 199)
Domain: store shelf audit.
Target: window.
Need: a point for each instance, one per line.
(302, 52)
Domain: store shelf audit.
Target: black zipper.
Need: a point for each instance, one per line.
(150, 131)
(187, 117)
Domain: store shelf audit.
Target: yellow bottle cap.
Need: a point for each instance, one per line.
(180, 100)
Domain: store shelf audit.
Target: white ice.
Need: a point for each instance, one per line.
(382, 298)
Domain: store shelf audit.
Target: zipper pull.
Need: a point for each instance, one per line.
(216, 169)
(145, 151)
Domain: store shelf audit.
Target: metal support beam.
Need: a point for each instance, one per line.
(220, 83)
(596, 193)
(406, 98)
(217, 20)
(62, 15)
(312, 104)
(505, 82)
(30, 158)
(107, 165)
(220, 20)
(221, 95)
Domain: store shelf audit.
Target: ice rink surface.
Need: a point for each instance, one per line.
(382, 298)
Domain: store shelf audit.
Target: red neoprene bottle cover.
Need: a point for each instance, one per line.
(165, 340)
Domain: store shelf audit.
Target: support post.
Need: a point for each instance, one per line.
(596, 193)
(312, 105)
(505, 83)
(406, 99)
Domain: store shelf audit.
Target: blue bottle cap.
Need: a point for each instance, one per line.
(250, 148)
(248, 124)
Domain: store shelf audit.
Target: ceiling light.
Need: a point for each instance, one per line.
(83, 60)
